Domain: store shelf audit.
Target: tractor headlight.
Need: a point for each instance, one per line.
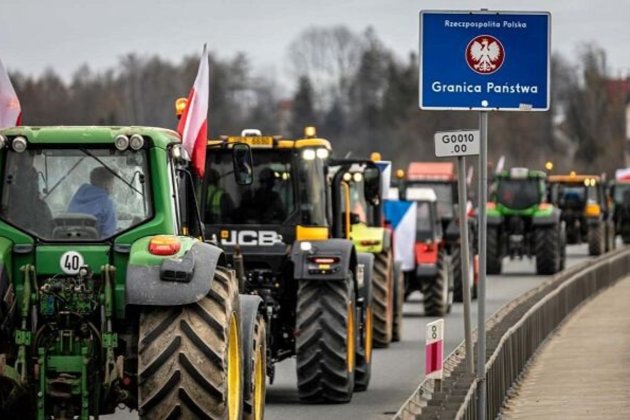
(3, 142)
(19, 144)
(308, 154)
(357, 177)
(136, 142)
(323, 153)
(121, 142)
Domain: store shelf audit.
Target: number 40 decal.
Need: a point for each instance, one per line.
(70, 262)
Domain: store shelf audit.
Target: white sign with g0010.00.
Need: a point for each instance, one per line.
(456, 143)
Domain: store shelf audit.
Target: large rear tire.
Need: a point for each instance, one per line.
(493, 251)
(383, 298)
(399, 302)
(189, 357)
(437, 296)
(596, 237)
(548, 250)
(326, 340)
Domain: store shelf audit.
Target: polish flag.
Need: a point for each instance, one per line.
(10, 110)
(193, 124)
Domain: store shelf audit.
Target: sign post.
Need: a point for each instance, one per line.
(434, 352)
(462, 143)
(484, 61)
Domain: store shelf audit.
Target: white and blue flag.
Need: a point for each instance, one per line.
(402, 216)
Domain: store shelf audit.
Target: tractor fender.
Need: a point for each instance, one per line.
(548, 219)
(177, 280)
(366, 260)
(303, 252)
(250, 307)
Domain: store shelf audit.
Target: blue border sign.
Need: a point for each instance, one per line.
(485, 60)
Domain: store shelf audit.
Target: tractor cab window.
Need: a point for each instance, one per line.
(75, 194)
(445, 199)
(571, 197)
(518, 194)
(270, 199)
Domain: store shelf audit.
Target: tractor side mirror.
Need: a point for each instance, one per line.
(243, 164)
(372, 184)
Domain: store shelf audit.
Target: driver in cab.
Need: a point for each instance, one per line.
(94, 199)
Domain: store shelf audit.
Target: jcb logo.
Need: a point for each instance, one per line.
(250, 237)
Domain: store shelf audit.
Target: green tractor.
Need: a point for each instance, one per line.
(521, 223)
(109, 297)
(367, 231)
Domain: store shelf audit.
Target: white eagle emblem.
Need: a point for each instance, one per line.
(485, 54)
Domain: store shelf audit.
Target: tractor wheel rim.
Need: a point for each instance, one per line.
(234, 371)
(368, 334)
(259, 383)
(350, 337)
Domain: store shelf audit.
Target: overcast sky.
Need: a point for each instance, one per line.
(62, 34)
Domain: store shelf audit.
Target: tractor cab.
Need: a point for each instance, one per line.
(287, 201)
(585, 210)
(356, 190)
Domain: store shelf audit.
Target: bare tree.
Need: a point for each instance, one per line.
(329, 57)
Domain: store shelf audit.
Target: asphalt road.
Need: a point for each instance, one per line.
(397, 370)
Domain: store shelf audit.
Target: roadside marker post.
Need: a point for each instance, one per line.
(462, 143)
(484, 61)
(434, 352)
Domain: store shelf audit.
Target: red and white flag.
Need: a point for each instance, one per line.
(10, 110)
(193, 124)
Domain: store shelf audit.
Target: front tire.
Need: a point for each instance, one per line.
(548, 250)
(493, 251)
(189, 357)
(596, 237)
(255, 378)
(326, 340)
(437, 293)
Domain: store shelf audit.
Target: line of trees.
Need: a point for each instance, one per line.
(357, 92)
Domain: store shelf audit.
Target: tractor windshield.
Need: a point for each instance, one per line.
(444, 193)
(75, 194)
(269, 200)
(622, 194)
(518, 194)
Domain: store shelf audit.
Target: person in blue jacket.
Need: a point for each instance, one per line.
(94, 199)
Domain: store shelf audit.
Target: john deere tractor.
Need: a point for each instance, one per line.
(367, 231)
(521, 223)
(108, 297)
(314, 287)
(584, 205)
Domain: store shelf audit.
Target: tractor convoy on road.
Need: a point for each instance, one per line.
(127, 278)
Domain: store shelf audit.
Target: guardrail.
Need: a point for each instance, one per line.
(514, 334)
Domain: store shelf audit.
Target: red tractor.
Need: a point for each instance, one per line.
(442, 178)
(433, 275)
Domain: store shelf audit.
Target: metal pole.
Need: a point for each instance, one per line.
(481, 326)
(465, 256)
